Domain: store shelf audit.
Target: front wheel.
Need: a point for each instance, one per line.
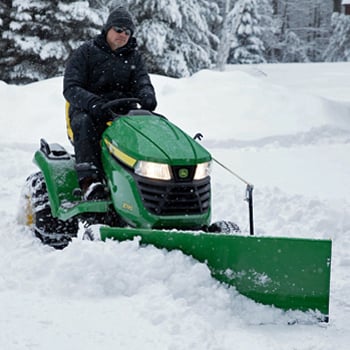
(224, 227)
(92, 233)
(36, 214)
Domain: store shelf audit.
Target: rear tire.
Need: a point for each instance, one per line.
(224, 227)
(38, 216)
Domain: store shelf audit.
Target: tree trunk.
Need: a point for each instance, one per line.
(224, 45)
(275, 7)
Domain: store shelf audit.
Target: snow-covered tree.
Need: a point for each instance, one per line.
(318, 28)
(270, 28)
(293, 49)
(339, 43)
(175, 35)
(42, 34)
(268, 23)
(309, 21)
(5, 6)
(6, 50)
(246, 46)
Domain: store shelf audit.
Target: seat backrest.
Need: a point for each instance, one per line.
(68, 126)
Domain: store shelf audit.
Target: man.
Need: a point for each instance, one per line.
(103, 69)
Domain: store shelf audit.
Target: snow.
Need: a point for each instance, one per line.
(285, 128)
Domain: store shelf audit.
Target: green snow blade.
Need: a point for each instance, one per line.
(289, 273)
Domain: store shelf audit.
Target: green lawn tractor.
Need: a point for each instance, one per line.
(158, 181)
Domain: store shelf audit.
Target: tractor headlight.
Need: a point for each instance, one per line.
(152, 170)
(202, 170)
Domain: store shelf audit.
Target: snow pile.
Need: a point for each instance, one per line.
(277, 126)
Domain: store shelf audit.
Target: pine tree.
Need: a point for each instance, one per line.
(309, 21)
(6, 49)
(5, 7)
(270, 28)
(247, 46)
(293, 49)
(42, 34)
(175, 35)
(339, 44)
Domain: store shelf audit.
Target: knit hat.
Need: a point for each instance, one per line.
(119, 17)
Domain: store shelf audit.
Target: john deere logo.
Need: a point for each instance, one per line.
(183, 173)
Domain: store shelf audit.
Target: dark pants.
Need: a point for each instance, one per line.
(87, 136)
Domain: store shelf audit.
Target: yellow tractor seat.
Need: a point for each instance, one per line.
(68, 126)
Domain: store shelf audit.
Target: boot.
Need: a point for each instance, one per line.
(95, 191)
(90, 182)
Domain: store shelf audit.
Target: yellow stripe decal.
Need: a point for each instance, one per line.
(120, 154)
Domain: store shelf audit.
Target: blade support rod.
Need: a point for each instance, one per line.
(249, 195)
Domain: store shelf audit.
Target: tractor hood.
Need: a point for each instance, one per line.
(155, 139)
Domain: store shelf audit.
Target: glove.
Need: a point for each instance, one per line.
(98, 112)
(148, 102)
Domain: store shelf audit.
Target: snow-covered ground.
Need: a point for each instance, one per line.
(285, 128)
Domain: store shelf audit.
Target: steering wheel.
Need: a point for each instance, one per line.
(125, 105)
(121, 103)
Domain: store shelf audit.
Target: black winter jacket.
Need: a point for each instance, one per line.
(95, 71)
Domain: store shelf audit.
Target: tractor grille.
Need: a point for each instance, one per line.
(164, 198)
